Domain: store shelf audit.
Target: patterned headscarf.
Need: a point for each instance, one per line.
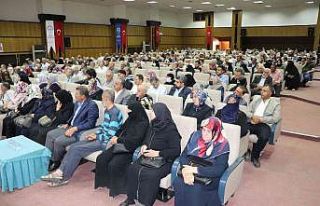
(229, 113)
(216, 147)
(21, 87)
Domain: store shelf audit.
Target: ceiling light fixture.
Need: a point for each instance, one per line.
(172, 6)
(309, 2)
(206, 3)
(199, 10)
(231, 8)
(152, 2)
(187, 7)
(128, 0)
(268, 6)
(219, 5)
(258, 2)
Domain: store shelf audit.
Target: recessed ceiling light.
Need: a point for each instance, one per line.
(206, 2)
(268, 6)
(172, 6)
(152, 2)
(187, 7)
(309, 2)
(219, 5)
(128, 0)
(231, 8)
(199, 10)
(258, 2)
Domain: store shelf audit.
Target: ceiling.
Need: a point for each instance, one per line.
(177, 5)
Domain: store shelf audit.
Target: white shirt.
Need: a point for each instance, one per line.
(116, 94)
(176, 93)
(261, 107)
(134, 89)
(161, 90)
(101, 69)
(262, 80)
(7, 97)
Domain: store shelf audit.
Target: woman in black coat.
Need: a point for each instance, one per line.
(162, 140)
(292, 76)
(198, 108)
(233, 115)
(112, 166)
(61, 115)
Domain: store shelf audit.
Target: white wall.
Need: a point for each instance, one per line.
(186, 21)
(18, 10)
(169, 19)
(280, 17)
(223, 19)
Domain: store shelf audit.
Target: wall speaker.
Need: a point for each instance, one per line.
(67, 42)
(311, 32)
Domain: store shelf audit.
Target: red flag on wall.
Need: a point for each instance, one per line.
(157, 35)
(209, 37)
(58, 35)
(124, 35)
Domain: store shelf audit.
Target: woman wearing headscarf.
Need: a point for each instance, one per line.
(42, 107)
(63, 112)
(292, 76)
(232, 114)
(206, 155)
(112, 165)
(170, 79)
(53, 83)
(162, 141)
(198, 107)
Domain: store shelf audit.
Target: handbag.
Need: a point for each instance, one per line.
(45, 121)
(24, 121)
(119, 148)
(152, 162)
(195, 161)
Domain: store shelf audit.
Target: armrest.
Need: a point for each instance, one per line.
(275, 132)
(174, 169)
(136, 154)
(230, 180)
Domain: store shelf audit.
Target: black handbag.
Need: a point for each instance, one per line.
(195, 161)
(152, 162)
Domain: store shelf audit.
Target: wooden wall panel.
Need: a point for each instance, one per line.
(281, 31)
(222, 32)
(18, 37)
(136, 35)
(88, 39)
(171, 38)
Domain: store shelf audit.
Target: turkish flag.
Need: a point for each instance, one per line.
(157, 35)
(209, 37)
(58, 36)
(124, 35)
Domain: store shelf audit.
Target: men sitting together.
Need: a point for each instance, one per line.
(73, 134)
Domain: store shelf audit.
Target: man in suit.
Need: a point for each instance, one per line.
(260, 81)
(85, 116)
(121, 94)
(264, 111)
(179, 90)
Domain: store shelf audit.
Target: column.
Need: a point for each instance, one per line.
(155, 37)
(317, 33)
(236, 29)
(209, 22)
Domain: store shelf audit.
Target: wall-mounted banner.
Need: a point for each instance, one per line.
(58, 31)
(124, 36)
(209, 37)
(51, 44)
(118, 36)
(157, 36)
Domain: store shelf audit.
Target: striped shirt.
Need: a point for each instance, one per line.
(113, 120)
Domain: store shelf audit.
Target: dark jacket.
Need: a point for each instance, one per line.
(43, 107)
(203, 113)
(240, 82)
(63, 115)
(167, 141)
(86, 117)
(183, 93)
(242, 121)
(257, 79)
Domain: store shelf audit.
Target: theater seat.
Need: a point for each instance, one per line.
(175, 104)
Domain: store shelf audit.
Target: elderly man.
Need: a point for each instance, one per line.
(263, 112)
(157, 88)
(97, 141)
(109, 81)
(121, 93)
(260, 81)
(142, 97)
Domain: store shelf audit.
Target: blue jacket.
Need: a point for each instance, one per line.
(183, 93)
(87, 116)
(43, 107)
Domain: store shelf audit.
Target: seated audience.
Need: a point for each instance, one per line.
(210, 147)
(291, 76)
(109, 83)
(63, 112)
(238, 79)
(180, 90)
(112, 164)
(85, 116)
(170, 79)
(142, 97)
(138, 80)
(260, 81)
(94, 142)
(157, 88)
(240, 91)
(121, 94)
(162, 141)
(198, 107)
(232, 114)
(277, 79)
(127, 81)
(263, 112)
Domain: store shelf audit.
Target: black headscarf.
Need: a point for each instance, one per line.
(137, 112)
(65, 98)
(163, 117)
(24, 77)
